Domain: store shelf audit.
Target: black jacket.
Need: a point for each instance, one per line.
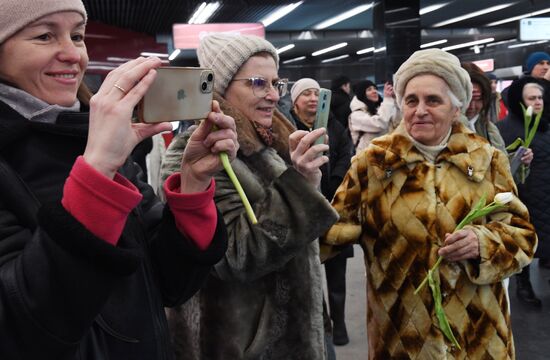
(66, 294)
(339, 105)
(340, 153)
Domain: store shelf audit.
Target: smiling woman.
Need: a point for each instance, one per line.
(402, 199)
(264, 298)
(80, 233)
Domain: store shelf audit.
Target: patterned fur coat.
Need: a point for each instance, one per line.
(263, 301)
(399, 206)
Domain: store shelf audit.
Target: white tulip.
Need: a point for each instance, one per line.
(504, 198)
(529, 111)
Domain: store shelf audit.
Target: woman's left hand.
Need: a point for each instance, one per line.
(201, 158)
(460, 245)
(527, 157)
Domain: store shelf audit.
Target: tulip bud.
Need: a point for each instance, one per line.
(504, 198)
(529, 111)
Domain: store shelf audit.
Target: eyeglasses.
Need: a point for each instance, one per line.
(261, 87)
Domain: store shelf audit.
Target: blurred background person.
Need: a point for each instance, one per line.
(536, 65)
(535, 192)
(264, 298)
(403, 198)
(371, 116)
(476, 116)
(341, 97)
(497, 110)
(88, 255)
(305, 96)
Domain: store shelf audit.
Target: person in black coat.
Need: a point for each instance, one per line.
(341, 97)
(89, 256)
(535, 192)
(305, 95)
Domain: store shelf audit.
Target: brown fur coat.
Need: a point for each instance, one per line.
(264, 299)
(399, 207)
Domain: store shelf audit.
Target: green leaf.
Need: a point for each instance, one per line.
(513, 146)
(533, 130)
(439, 312)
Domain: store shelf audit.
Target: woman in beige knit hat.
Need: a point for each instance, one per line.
(402, 200)
(264, 298)
(88, 255)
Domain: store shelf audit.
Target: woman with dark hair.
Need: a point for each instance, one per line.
(370, 115)
(535, 192)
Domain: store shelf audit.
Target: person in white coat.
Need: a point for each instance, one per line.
(370, 115)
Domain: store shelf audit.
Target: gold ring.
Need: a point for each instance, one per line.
(120, 88)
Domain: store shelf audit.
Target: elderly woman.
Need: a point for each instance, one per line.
(264, 298)
(527, 91)
(402, 199)
(88, 255)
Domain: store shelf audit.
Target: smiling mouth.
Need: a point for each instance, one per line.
(63, 76)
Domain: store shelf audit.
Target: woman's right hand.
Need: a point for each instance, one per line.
(112, 136)
(388, 90)
(306, 157)
(527, 157)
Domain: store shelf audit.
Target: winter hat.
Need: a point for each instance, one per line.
(339, 81)
(439, 63)
(534, 59)
(302, 85)
(225, 53)
(359, 89)
(16, 14)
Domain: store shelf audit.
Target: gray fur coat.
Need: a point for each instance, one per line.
(264, 299)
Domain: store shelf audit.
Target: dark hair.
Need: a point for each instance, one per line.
(339, 81)
(478, 77)
(359, 90)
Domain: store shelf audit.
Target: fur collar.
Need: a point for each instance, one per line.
(467, 151)
(249, 140)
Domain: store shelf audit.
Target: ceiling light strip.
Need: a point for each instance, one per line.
(280, 13)
(472, 14)
(285, 48)
(463, 45)
(294, 60)
(433, 43)
(335, 58)
(519, 17)
(343, 16)
(330, 48)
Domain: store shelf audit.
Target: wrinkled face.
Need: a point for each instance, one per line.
(372, 93)
(240, 94)
(306, 102)
(540, 69)
(427, 109)
(476, 105)
(532, 96)
(47, 58)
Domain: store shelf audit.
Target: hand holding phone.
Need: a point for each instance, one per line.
(323, 111)
(178, 93)
(515, 162)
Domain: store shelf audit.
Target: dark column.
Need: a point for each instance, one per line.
(396, 25)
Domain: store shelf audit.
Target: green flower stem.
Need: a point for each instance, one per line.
(477, 211)
(227, 166)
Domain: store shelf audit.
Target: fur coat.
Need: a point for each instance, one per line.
(399, 206)
(264, 299)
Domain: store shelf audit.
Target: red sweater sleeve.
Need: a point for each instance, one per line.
(195, 214)
(100, 204)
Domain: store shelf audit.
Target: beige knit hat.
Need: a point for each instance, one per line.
(225, 53)
(302, 85)
(16, 14)
(439, 63)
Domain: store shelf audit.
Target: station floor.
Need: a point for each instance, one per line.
(531, 327)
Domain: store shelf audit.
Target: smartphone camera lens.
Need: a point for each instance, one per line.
(210, 77)
(204, 86)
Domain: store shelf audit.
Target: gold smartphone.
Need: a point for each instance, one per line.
(178, 93)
